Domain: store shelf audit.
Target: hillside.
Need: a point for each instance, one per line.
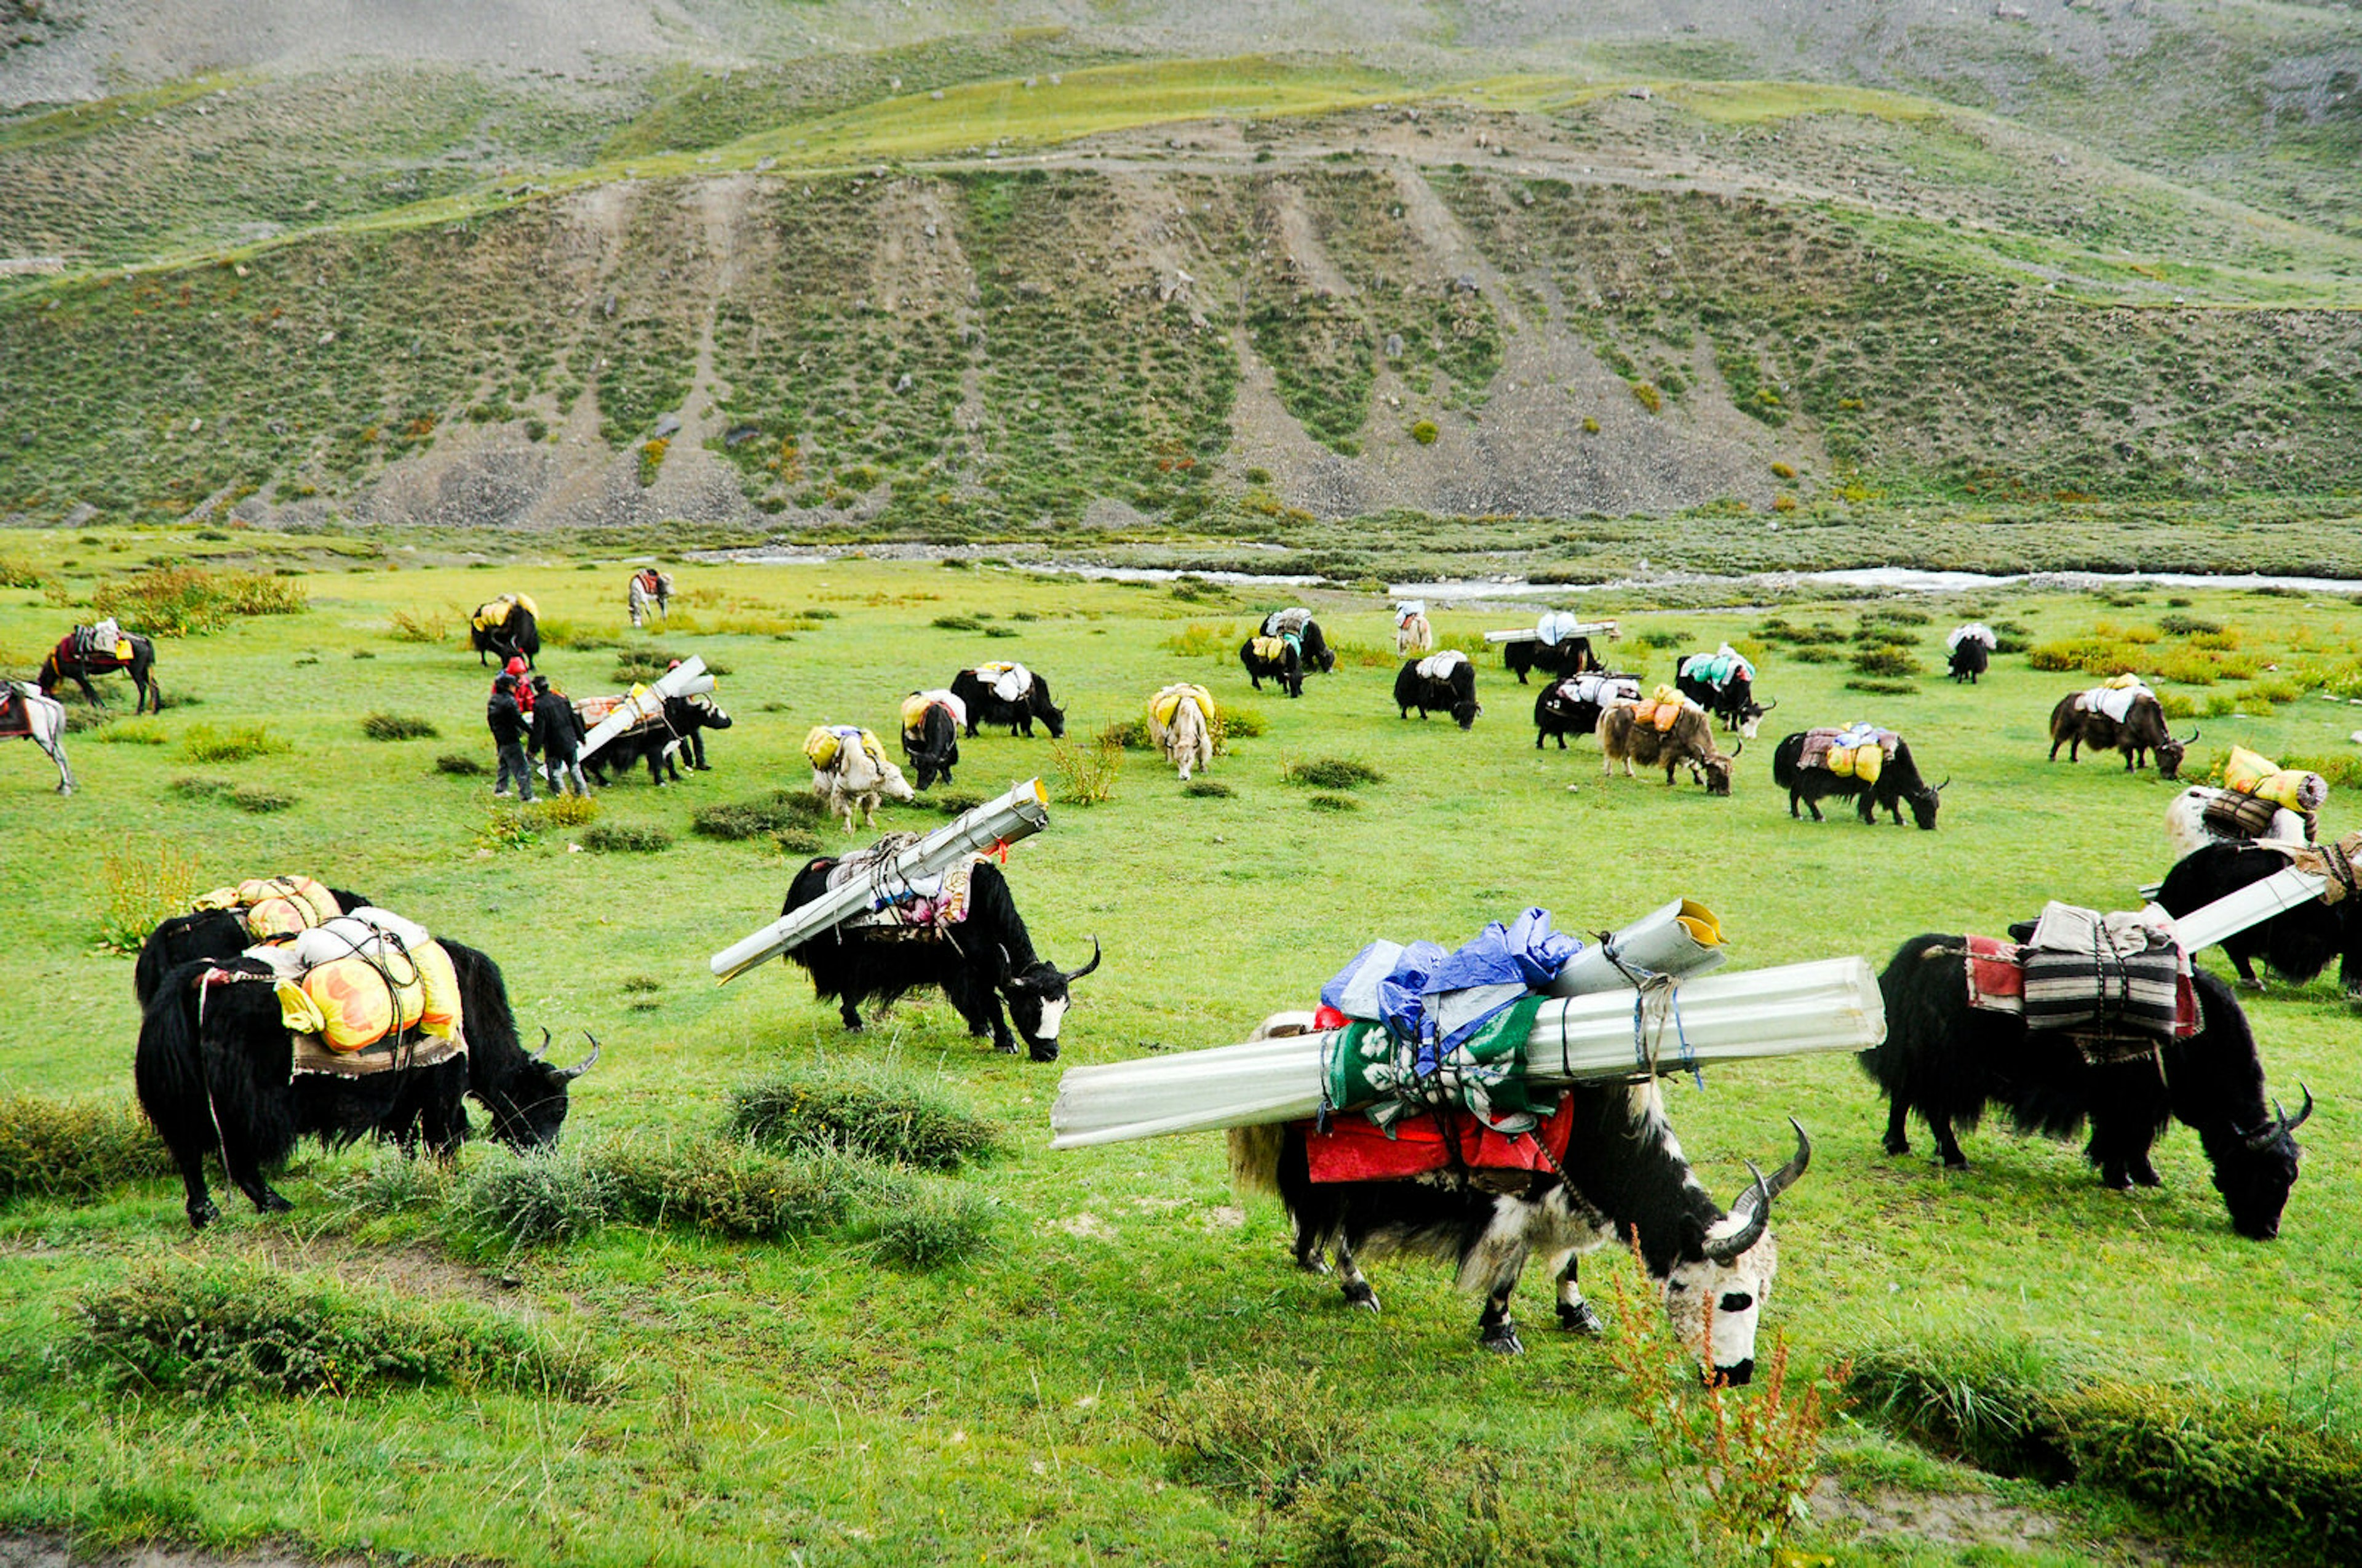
(808, 267)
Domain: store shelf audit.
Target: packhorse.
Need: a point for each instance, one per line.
(79, 656)
(26, 714)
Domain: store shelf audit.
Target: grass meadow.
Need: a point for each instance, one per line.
(1043, 1395)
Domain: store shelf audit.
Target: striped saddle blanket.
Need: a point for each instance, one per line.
(2087, 974)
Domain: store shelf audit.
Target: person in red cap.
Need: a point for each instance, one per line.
(516, 667)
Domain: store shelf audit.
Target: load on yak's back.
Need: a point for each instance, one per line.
(2259, 802)
(931, 727)
(1668, 728)
(1969, 651)
(1861, 763)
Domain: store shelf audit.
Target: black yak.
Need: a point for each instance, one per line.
(1732, 698)
(1623, 1178)
(931, 745)
(2296, 944)
(1572, 706)
(1444, 682)
(1948, 1060)
(660, 741)
(1898, 781)
(977, 690)
(1572, 656)
(1968, 659)
(214, 1075)
(71, 661)
(1273, 658)
(1624, 738)
(203, 934)
(2141, 730)
(1297, 623)
(983, 958)
(506, 628)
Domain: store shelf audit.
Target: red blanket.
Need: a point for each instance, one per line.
(1354, 1150)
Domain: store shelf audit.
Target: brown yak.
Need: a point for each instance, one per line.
(1623, 738)
(2142, 730)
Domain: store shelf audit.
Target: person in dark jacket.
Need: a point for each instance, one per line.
(557, 734)
(505, 719)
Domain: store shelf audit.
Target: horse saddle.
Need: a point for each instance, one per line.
(16, 714)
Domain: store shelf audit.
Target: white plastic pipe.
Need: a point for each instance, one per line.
(2251, 905)
(681, 680)
(1530, 634)
(1020, 813)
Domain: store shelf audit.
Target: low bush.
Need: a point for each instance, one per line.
(899, 1118)
(214, 1329)
(239, 743)
(451, 762)
(956, 623)
(916, 1223)
(1333, 804)
(1877, 633)
(143, 883)
(524, 1201)
(564, 811)
(1237, 721)
(1664, 638)
(176, 601)
(1332, 773)
(2187, 626)
(781, 810)
(75, 1148)
(420, 626)
(797, 841)
(1260, 1433)
(952, 802)
(383, 726)
(726, 1188)
(1208, 790)
(1819, 655)
(1086, 772)
(1198, 640)
(131, 731)
(1887, 660)
(393, 1182)
(1130, 734)
(1881, 688)
(198, 787)
(1895, 614)
(260, 798)
(614, 838)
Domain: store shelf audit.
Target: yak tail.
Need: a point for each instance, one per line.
(1254, 1160)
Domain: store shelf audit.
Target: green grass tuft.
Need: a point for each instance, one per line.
(384, 727)
(74, 1149)
(894, 1117)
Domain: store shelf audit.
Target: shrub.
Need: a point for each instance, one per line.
(1237, 721)
(1783, 471)
(1086, 772)
(394, 1182)
(1648, 396)
(1333, 804)
(1332, 773)
(956, 623)
(462, 767)
(914, 1222)
(1819, 655)
(1208, 790)
(797, 841)
(197, 786)
(879, 1116)
(724, 1187)
(260, 798)
(776, 812)
(219, 1328)
(143, 883)
(1130, 734)
(564, 811)
(1664, 638)
(420, 626)
(2275, 691)
(613, 838)
(1880, 687)
(952, 802)
(1424, 432)
(383, 726)
(2187, 626)
(75, 1148)
(508, 827)
(1886, 659)
(1262, 1432)
(16, 574)
(1895, 614)
(545, 1196)
(176, 601)
(1872, 634)
(131, 731)
(240, 743)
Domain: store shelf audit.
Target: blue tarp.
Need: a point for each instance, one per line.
(1426, 995)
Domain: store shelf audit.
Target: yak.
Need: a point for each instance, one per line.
(1968, 659)
(1288, 668)
(1413, 632)
(2296, 944)
(2189, 828)
(1898, 781)
(1623, 1179)
(2142, 730)
(1570, 657)
(214, 1076)
(932, 746)
(649, 595)
(660, 742)
(1572, 706)
(855, 781)
(517, 637)
(977, 962)
(1948, 1060)
(1623, 738)
(70, 661)
(27, 713)
(1444, 682)
(1733, 701)
(973, 689)
(1297, 622)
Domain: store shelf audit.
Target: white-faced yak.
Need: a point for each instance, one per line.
(215, 1076)
(660, 742)
(1898, 780)
(1723, 683)
(1948, 1060)
(1008, 694)
(2077, 722)
(1626, 738)
(2296, 944)
(649, 595)
(78, 656)
(977, 961)
(1623, 1177)
(1444, 682)
(1571, 705)
(1275, 658)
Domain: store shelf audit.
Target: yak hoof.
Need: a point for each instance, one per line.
(1579, 1318)
(202, 1214)
(1898, 1146)
(2144, 1174)
(1956, 1162)
(270, 1202)
(1042, 1053)
(1359, 1293)
(1311, 1262)
(1501, 1338)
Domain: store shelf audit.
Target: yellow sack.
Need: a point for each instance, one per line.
(1840, 761)
(1271, 650)
(282, 906)
(2247, 769)
(821, 746)
(440, 1010)
(1167, 702)
(1867, 761)
(527, 600)
(297, 1012)
(123, 649)
(357, 1007)
(914, 711)
(996, 667)
(2120, 682)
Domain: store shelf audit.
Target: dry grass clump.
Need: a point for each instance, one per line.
(143, 882)
(1331, 773)
(921, 1223)
(176, 601)
(239, 743)
(1199, 640)
(460, 767)
(616, 838)
(420, 626)
(1086, 771)
(781, 811)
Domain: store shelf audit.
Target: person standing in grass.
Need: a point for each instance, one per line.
(506, 721)
(557, 734)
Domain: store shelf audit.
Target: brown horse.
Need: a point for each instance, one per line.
(64, 664)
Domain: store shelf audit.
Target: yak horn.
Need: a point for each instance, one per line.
(1769, 706)
(2194, 736)
(566, 1074)
(1075, 975)
(538, 1055)
(2288, 1126)
(1786, 1176)
(1945, 785)
(1737, 749)
(1756, 1202)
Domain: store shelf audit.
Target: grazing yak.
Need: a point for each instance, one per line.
(1273, 658)
(1627, 737)
(649, 595)
(1554, 649)
(1970, 651)
(1623, 1178)
(27, 714)
(1572, 706)
(1413, 635)
(1297, 622)
(1723, 683)
(851, 772)
(931, 727)
(2202, 815)
(1181, 720)
(1809, 778)
(1948, 1060)
(660, 741)
(215, 1076)
(507, 627)
(977, 958)
(2127, 719)
(2296, 944)
(1008, 694)
(1444, 682)
(100, 650)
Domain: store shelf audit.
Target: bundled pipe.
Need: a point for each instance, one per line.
(687, 678)
(1020, 813)
(1682, 938)
(2251, 905)
(1832, 1004)
(1533, 634)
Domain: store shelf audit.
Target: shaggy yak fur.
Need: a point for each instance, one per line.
(984, 708)
(1948, 1060)
(63, 664)
(2142, 732)
(1898, 780)
(659, 743)
(221, 1083)
(933, 750)
(2296, 944)
(1969, 659)
(1691, 740)
(1572, 657)
(1287, 670)
(975, 963)
(1455, 695)
(519, 636)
